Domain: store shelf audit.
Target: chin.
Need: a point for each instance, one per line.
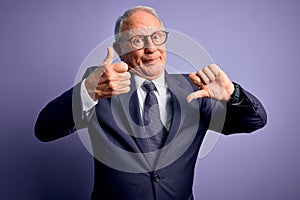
(152, 76)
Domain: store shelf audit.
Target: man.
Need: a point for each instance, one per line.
(146, 126)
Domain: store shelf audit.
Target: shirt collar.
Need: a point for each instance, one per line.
(160, 82)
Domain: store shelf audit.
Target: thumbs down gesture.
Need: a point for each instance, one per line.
(212, 83)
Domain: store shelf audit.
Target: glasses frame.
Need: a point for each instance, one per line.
(146, 37)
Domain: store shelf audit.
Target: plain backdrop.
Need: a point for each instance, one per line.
(43, 43)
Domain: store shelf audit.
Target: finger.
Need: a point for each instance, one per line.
(109, 92)
(119, 77)
(196, 95)
(209, 74)
(112, 77)
(123, 90)
(203, 77)
(111, 86)
(215, 69)
(125, 76)
(195, 79)
(109, 57)
(120, 67)
(122, 84)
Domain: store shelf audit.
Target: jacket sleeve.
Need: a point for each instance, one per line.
(243, 117)
(63, 115)
(57, 118)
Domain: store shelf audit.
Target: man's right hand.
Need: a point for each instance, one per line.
(108, 79)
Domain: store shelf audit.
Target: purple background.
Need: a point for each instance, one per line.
(44, 42)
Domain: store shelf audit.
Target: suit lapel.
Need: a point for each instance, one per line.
(173, 85)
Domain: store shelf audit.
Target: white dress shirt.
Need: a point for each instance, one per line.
(162, 94)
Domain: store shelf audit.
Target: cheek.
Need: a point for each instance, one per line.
(132, 59)
(163, 54)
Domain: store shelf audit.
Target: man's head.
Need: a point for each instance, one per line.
(140, 42)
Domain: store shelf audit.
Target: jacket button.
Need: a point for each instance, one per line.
(156, 178)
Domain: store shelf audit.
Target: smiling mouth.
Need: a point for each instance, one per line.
(151, 61)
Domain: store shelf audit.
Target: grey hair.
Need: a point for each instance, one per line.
(129, 12)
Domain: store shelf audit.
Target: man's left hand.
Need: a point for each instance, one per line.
(212, 83)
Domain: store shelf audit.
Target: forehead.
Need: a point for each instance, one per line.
(140, 19)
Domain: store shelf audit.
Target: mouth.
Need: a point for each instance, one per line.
(151, 61)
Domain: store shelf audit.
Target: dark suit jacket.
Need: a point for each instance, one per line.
(118, 120)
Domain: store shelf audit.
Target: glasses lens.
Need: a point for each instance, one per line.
(159, 37)
(138, 42)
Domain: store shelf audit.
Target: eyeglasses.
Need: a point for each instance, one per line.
(158, 38)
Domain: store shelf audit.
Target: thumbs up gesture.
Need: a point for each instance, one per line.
(108, 79)
(212, 83)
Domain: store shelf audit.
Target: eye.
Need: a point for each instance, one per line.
(137, 41)
(158, 37)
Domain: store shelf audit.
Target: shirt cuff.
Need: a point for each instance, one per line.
(87, 102)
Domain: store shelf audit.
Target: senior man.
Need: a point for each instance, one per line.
(146, 126)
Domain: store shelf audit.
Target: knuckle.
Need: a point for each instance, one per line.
(128, 75)
(199, 72)
(106, 67)
(110, 76)
(211, 65)
(124, 65)
(111, 85)
(106, 71)
(205, 68)
(192, 75)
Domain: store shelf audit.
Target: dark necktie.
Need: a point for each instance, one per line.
(154, 128)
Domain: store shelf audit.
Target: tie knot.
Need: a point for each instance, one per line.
(149, 86)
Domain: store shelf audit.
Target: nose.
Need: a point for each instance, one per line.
(150, 47)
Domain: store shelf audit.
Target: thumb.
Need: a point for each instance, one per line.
(196, 95)
(120, 67)
(109, 57)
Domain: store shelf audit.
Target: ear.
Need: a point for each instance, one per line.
(118, 49)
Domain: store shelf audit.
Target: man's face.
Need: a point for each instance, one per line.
(149, 61)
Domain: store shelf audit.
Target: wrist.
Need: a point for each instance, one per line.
(236, 94)
(90, 89)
